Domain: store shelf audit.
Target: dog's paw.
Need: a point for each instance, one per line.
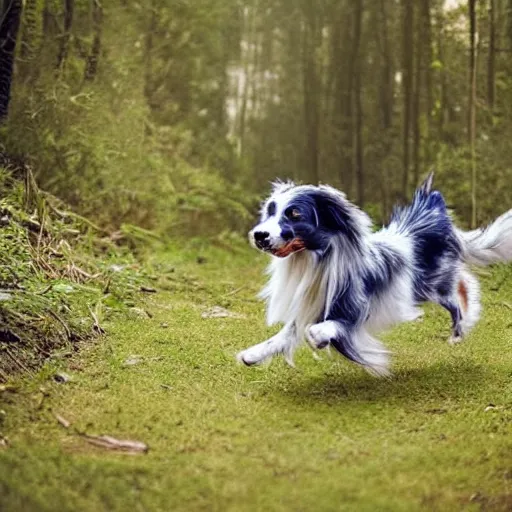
(455, 340)
(250, 356)
(320, 335)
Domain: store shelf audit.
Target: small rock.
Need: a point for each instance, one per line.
(220, 312)
(117, 268)
(62, 377)
(5, 296)
(63, 288)
(132, 360)
(140, 313)
(164, 325)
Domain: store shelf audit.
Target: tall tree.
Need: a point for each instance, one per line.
(491, 62)
(472, 104)
(312, 91)
(358, 104)
(91, 65)
(407, 80)
(69, 6)
(9, 25)
(426, 27)
(386, 94)
(416, 101)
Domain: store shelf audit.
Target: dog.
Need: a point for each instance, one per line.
(335, 282)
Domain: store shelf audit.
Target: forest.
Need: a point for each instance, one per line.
(137, 142)
(176, 115)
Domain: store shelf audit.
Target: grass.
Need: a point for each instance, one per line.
(326, 436)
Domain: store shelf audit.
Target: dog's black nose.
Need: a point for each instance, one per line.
(261, 238)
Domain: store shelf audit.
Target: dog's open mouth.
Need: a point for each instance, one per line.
(295, 245)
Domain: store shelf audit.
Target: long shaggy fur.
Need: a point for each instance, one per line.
(335, 282)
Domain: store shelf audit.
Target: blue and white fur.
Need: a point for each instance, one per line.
(335, 282)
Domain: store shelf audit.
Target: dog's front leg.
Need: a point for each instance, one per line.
(284, 342)
(353, 341)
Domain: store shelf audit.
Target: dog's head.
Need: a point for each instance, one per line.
(306, 218)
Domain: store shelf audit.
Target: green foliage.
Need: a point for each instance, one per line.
(123, 148)
(58, 279)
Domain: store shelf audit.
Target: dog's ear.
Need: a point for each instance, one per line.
(337, 215)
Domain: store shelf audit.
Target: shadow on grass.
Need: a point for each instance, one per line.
(438, 381)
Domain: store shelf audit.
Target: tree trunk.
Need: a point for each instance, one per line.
(508, 9)
(358, 106)
(492, 56)
(311, 91)
(472, 105)
(9, 25)
(416, 102)
(426, 25)
(148, 56)
(386, 98)
(66, 36)
(407, 76)
(344, 92)
(91, 65)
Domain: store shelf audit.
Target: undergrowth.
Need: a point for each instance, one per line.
(60, 275)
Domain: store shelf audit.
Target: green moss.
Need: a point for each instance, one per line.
(326, 436)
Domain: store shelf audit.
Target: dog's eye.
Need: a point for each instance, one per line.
(294, 214)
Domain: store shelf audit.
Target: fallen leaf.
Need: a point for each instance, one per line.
(111, 443)
(220, 312)
(4, 442)
(491, 407)
(164, 325)
(5, 296)
(166, 386)
(63, 421)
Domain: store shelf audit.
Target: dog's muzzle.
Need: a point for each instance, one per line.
(262, 240)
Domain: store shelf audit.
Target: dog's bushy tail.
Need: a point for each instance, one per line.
(492, 244)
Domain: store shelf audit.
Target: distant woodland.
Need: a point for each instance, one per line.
(175, 115)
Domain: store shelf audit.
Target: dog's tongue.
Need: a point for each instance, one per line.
(294, 245)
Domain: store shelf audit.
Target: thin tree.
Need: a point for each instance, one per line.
(91, 65)
(416, 101)
(358, 104)
(311, 84)
(407, 79)
(491, 87)
(472, 104)
(66, 35)
(9, 25)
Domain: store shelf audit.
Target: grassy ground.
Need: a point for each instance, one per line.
(326, 436)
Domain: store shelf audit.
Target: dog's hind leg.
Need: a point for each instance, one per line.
(463, 305)
(468, 294)
(453, 308)
(284, 342)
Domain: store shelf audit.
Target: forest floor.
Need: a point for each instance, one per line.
(437, 435)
